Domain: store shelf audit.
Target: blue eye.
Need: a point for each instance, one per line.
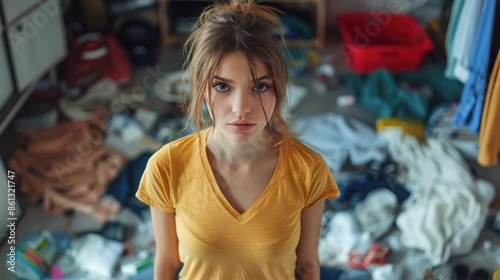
(262, 87)
(221, 87)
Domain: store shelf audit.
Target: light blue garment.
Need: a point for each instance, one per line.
(471, 103)
(451, 33)
(463, 44)
(339, 138)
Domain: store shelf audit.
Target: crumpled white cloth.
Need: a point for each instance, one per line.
(387, 272)
(338, 138)
(342, 233)
(377, 212)
(100, 93)
(447, 208)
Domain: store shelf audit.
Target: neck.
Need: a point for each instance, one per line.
(238, 153)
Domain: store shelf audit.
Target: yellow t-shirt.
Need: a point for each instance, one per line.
(217, 242)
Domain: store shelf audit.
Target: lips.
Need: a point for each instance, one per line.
(241, 125)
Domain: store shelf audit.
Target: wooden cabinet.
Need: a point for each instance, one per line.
(32, 42)
(312, 12)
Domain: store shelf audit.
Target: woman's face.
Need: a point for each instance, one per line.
(238, 111)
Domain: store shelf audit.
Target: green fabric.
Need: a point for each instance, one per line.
(381, 93)
(444, 89)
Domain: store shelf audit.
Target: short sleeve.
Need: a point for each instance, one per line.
(154, 188)
(322, 184)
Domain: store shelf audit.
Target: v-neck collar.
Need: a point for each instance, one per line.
(221, 198)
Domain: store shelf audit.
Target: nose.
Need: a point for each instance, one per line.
(241, 102)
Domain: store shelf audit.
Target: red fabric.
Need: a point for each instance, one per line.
(114, 65)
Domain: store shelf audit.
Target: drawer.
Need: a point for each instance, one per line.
(7, 86)
(13, 8)
(36, 47)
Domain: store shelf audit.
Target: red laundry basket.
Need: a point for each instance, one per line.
(373, 40)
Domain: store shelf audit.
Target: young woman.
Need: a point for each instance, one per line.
(240, 198)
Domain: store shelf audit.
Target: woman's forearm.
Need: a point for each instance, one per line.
(165, 269)
(308, 269)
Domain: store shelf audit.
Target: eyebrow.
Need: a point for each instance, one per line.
(230, 81)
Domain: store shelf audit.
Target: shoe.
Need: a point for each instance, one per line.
(460, 272)
(480, 274)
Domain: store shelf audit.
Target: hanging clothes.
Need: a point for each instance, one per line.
(495, 40)
(451, 36)
(489, 136)
(463, 26)
(471, 103)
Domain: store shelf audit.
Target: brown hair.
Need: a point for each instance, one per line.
(242, 26)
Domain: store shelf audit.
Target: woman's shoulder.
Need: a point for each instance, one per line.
(182, 146)
(300, 152)
(189, 141)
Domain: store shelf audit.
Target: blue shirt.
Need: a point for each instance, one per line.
(471, 103)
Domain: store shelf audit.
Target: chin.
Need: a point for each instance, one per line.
(241, 136)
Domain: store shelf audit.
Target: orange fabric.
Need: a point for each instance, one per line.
(64, 164)
(489, 135)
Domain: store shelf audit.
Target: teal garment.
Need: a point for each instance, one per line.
(451, 32)
(444, 89)
(381, 93)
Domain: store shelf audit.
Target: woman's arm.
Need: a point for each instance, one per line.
(167, 263)
(307, 267)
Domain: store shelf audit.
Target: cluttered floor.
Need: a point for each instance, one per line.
(414, 204)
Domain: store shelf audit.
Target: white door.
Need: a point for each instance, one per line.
(37, 41)
(14, 8)
(6, 84)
